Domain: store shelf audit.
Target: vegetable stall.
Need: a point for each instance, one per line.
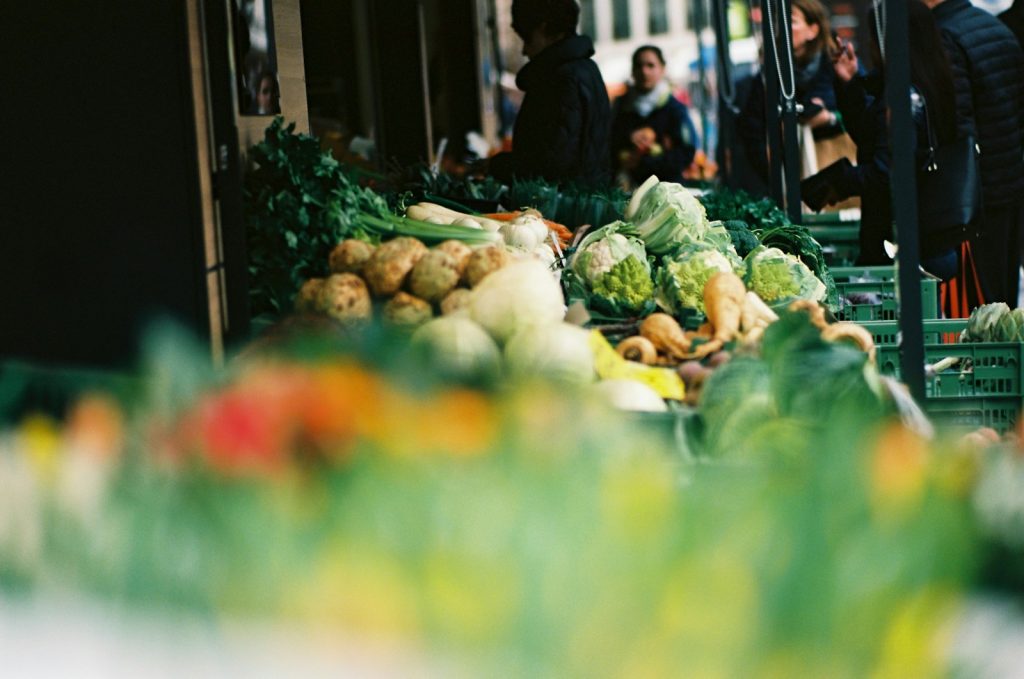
(496, 443)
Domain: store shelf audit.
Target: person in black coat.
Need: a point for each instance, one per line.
(995, 94)
(862, 102)
(561, 131)
(652, 133)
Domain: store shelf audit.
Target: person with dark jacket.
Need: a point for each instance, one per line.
(862, 103)
(561, 131)
(995, 64)
(652, 133)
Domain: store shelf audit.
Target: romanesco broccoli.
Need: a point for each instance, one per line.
(627, 283)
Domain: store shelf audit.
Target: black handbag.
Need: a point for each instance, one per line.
(948, 184)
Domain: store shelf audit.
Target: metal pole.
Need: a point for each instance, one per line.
(700, 22)
(726, 88)
(791, 163)
(771, 109)
(904, 194)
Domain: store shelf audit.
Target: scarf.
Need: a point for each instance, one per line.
(645, 103)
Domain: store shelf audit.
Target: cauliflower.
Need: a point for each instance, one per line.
(434, 276)
(666, 215)
(778, 277)
(681, 279)
(344, 297)
(389, 265)
(350, 256)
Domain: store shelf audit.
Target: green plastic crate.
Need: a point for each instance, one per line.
(840, 242)
(849, 273)
(990, 393)
(886, 308)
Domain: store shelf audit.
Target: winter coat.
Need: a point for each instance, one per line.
(561, 131)
(994, 93)
(862, 104)
(673, 129)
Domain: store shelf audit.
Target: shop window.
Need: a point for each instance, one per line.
(657, 17)
(620, 19)
(588, 20)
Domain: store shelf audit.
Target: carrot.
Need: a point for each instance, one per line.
(724, 294)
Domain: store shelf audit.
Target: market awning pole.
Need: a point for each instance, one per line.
(770, 72)
(904, 193)
(790, 130)
(700, 22)
(781, 107)
(726, 86)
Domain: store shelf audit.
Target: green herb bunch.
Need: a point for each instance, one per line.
(299, 202)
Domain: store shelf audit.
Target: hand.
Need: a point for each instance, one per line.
(844, 61)
(643, 139)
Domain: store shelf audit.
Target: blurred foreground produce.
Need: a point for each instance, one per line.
(522, 528)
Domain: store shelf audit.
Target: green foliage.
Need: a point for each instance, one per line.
(743, 239)
(299, 202)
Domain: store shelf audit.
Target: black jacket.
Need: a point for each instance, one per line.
(1014, 20)
(995, 67)
(673, 129)
(561, 132)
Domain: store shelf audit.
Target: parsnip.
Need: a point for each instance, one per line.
(724, 294)
(424, 211)
(851, 332)
(665, 334)
(638, 349)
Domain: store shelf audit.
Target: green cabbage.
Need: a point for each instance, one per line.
(667, 215)
(778, 277)
(680, 281)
